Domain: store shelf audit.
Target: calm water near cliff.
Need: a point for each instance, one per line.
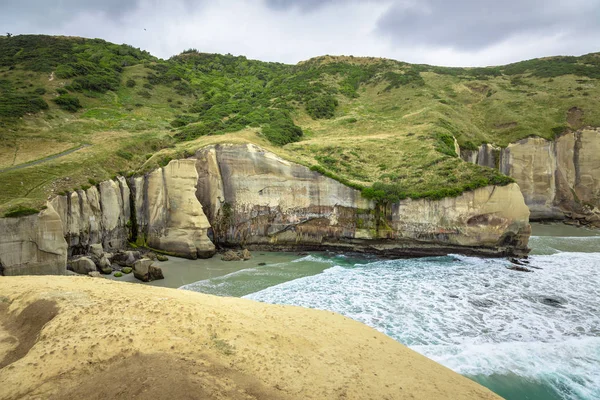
(524, 335)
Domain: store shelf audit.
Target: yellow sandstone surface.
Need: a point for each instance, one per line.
(89, 338)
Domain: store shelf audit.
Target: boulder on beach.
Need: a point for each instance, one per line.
(82, 265)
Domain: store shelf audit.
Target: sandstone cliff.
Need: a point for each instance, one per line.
(559, 179)
(33, 245)
(164, 203)
(254, 198)
(168, 213)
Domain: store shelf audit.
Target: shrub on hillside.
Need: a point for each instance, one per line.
(68, 102)
(282, 131)
(16, 105)
(130, 83)
(321, 107)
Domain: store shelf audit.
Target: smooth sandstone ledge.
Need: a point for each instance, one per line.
(88, 338)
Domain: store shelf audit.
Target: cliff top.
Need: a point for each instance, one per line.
(72, 337)
(83, 110)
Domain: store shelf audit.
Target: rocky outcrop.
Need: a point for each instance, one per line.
(33, 245)
(559, 179)
(487, 155)
(95, 215)
(168, 213)
(254, 198)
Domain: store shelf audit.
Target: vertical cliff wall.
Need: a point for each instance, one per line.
(559, 179)
(168, 214)
(100, 214)
(252, 197)
(33, 245)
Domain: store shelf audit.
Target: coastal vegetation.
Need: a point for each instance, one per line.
(382, 126)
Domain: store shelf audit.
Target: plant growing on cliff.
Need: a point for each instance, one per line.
(20, 211)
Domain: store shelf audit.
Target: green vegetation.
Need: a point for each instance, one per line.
(20, 211)
(385, 127)
(68, 102)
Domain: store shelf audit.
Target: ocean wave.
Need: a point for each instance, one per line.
(472, 314)
(570, 367)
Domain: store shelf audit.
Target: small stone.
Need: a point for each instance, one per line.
(82, 265)
(155, 273)
(151, 255)
(141, 269)
(262, 263)
(96, 250)
(230, 256)
(518, 268)
(103, 262)
(95, 274)
(126, 258)
(246, 254)
(118, 275)
(161, 257)
(127, 270)
(106, 271)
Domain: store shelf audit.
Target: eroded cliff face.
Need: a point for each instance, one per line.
(559, 179)
(97, 215)
(162, 211)
(33, 245)
(169, 215)
(254, 198)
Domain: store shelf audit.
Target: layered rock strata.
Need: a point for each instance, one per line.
(254, 198)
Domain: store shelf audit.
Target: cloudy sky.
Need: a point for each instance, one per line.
(440, 32)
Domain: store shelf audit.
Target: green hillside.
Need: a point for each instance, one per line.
(77, 111)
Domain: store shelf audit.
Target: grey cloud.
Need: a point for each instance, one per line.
(44, 14)
(476, 24)
(302, 4)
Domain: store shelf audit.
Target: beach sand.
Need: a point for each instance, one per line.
(93, 338)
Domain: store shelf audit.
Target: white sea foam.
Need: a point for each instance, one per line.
(474, 315)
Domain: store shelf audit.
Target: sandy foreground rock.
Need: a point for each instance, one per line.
(84, 338)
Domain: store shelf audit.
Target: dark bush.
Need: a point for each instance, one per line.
(68, 102)
(124, 154)
(282, 131)
(321, 107)
(130, 83)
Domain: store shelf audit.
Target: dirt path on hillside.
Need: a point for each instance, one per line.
(45, 159)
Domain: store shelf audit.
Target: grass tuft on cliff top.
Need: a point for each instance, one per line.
(383, 126)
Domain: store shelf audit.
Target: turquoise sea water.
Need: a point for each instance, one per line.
(524, 335)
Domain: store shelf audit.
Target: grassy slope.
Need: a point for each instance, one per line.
(391, 126)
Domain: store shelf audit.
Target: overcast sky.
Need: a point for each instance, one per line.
(440, 32)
